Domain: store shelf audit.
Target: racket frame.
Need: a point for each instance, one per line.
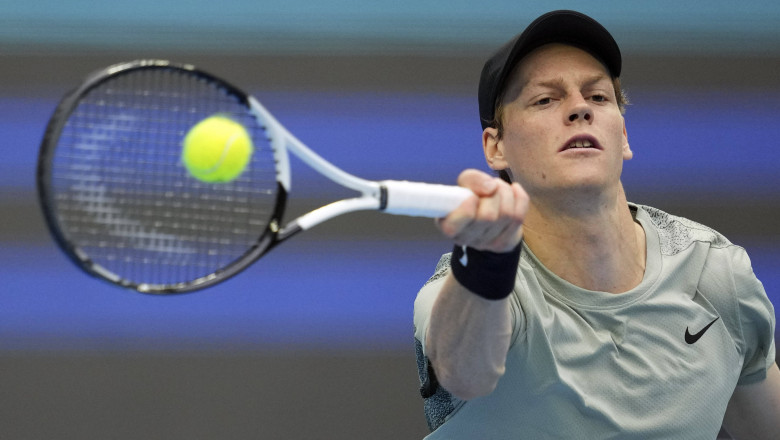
(59, 119)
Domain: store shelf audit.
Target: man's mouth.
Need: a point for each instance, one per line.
(581, 142)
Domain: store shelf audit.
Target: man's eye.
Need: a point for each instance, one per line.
(598, 98)
(543, 101)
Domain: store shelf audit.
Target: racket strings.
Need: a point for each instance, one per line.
(125, 199)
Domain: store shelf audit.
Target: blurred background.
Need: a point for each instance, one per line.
(316, 340)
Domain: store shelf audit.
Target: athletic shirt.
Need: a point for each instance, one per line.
(660, 361)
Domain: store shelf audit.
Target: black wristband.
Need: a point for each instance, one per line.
(488, 274)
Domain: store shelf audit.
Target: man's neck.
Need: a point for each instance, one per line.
(599, 247)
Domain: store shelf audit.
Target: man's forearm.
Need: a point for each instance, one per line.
(467, 340)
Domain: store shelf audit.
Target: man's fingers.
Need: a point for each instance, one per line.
(492, 219)
(480, 183)
(459, 218)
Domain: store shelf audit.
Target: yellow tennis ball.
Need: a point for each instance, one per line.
(217, 149)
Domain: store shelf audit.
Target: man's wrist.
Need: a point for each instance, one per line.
(490, 275)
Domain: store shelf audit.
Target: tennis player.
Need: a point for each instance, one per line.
(566, 312)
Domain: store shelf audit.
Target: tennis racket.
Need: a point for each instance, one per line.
(119, 202)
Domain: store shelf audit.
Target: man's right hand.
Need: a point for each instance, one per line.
(492, 219)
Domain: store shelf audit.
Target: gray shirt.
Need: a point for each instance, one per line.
(660, 361)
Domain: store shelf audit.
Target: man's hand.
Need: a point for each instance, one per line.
(492, 219)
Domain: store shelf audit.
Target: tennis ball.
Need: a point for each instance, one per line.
(216, 149)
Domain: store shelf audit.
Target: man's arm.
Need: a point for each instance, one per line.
(754, 410)
(467, 341)
(468, 336)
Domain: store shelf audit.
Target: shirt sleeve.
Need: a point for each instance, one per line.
(426, 297)
(756, 318)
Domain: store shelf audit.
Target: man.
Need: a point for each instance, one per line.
(566, 312)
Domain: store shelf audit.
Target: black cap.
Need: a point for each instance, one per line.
(567, 27)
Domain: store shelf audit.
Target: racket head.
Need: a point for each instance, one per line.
(119, 202)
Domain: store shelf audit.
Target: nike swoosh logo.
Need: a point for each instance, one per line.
(692, 338)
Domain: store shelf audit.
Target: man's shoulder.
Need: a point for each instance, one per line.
(442, 267)
(677, 234)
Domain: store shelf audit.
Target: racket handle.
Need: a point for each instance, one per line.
(419, 199)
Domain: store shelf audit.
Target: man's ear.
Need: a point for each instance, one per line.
(493, 147)
(627, 153)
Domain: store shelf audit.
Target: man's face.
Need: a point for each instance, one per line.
(563, 129)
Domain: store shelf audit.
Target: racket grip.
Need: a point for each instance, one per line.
(419, 199)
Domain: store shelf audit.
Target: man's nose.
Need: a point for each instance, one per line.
(581, 111)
